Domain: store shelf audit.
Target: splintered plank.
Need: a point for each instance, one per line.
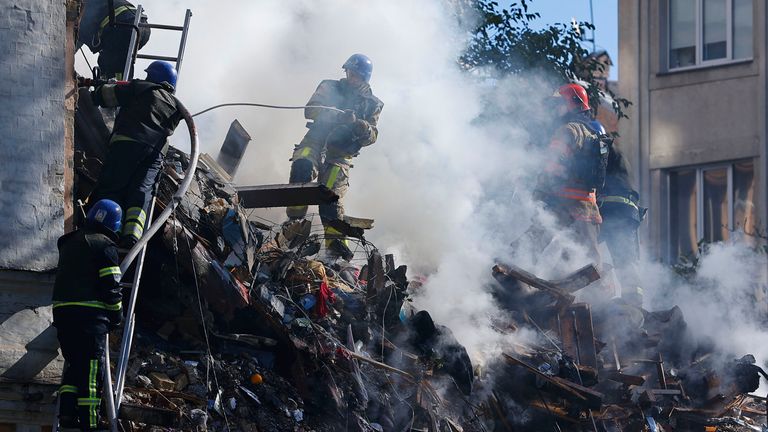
(577, 334)
(502, 271)
(284, 195)
(592, 398)
(352, 226)
(578, 279)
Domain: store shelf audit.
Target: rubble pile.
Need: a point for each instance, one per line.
(615, 367)
(246, 326)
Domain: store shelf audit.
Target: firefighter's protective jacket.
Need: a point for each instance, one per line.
(560, 186)
(617, 198)
(148, 111)
(87, 290)
(343, 140)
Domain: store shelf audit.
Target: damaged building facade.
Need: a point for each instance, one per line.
(698, 135)
(36, 60)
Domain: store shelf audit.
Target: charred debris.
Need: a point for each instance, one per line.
(245, 326)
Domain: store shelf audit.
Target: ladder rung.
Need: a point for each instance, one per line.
(126, 285)
(156, 57)
(162, 26)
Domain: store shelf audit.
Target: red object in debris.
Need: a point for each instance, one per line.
(323, 296)
(343, 353)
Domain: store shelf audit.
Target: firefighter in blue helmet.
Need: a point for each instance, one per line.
(334, 138)
(621, 212)
(86, 305)
(148, 115)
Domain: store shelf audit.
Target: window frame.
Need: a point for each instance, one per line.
(729, 166)
(700, 63)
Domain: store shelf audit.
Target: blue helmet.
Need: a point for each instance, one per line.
(106, 213)
(161, 71)
(360, 64)
(597, 127)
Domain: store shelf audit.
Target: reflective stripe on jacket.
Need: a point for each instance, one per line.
(88, 275)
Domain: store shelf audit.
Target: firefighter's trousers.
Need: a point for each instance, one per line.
(621, 238)
(333, 174)
(128, 178)
(115, 41)
(80, 391)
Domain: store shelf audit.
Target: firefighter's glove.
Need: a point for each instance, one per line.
(84, 82)
(347, 117)
(90, 82)
(347, 147)
(360, 128)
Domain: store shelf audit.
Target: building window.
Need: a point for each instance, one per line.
(703, 32)
(709, 203)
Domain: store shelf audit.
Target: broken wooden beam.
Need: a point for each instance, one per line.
(592, 398)
(578, 279)
(577, 333)
(284, 195)
(509, 270)
(561, 287)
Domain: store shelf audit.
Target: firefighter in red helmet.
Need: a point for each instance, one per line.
(575, 170)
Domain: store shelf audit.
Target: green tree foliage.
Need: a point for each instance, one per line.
(504, 43)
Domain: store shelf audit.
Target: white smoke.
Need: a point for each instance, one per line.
(448, 192)
(724, 302)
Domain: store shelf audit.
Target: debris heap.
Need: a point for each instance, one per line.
(245, 326)
(242, 326)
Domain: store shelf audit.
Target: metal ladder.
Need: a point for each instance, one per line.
(133, 54)
(114, 395)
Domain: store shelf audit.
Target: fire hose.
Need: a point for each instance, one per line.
(286, 107)
(189, 175)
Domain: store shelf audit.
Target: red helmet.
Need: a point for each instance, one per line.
(575, 97)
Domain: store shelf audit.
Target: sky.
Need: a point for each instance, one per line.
(606, 21)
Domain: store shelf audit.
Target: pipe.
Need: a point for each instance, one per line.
(108, 387)
(122, 366)
(189, 175)
(267, 106)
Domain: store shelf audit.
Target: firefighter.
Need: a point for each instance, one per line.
(622, 214)
(334, 138)
(137, 145)
(86, 305)
(568, 183)
(111, 42)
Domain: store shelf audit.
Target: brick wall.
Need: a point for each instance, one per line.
(33, 128)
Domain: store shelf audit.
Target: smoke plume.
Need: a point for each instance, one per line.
(449, 179)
